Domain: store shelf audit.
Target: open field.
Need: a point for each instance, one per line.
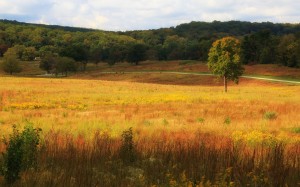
(72, 104)
(186, 130)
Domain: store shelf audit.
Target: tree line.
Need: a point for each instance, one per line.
(260, 43)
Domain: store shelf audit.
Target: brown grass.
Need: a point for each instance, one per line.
(163, 159)
(197, 66)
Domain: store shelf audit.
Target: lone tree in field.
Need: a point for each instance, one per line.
(224, 59)
(10, 62)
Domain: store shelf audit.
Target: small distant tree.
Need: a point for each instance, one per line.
(78, 52)
(10, 62)
(224, 59)
(65, 65)
(136, 53)
(48, 62)
(115, 53)
(96, 55)
(19, 49)
(29, 54)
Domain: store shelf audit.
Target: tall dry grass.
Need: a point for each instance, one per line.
(162, 159)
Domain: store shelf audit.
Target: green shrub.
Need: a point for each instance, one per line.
(13, 157)
(127, 150)
(296, 130)
(165, 122)
(31, 139)
(200, 120)
(227, 121)
(270, 115)
(21, 152)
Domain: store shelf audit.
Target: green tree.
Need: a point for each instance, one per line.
(224, 59)
(136, 53)
(288, 51)
(265, 57)
(47, 49)
(96, 54)
(115, 53)
(78, 52)
(48, 62)
(28, 54)
(19, 49)
(175, 47)
(10, 62)
(65, 65)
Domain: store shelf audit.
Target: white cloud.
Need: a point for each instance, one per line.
(146, 14)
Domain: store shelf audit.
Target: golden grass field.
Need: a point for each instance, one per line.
(159, 107)
(82, 106)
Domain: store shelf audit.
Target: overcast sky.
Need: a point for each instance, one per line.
(146, 14)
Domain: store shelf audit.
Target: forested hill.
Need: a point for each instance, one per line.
(235, 28)
(260, 42)
(65, 28)
(193, 29)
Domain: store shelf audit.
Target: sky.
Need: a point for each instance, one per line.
(122, 15)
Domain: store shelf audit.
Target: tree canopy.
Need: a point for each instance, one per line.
(136, 53)
(10, 62)
(224, 59)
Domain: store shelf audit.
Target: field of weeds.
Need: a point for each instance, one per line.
(124, 133)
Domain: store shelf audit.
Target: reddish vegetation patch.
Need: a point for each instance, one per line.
(272, 70)
(172, 79)
(195, 66)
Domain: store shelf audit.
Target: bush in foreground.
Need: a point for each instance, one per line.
(21, 152)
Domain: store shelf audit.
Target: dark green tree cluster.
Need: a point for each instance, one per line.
(166, 44)
(265, 48)
(58, 65)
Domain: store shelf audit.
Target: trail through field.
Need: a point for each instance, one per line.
(202, 74)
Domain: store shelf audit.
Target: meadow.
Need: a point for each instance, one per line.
(185, 130)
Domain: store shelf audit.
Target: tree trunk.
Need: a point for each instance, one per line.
(225, 84)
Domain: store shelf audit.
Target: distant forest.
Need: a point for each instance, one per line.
(261, 43)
